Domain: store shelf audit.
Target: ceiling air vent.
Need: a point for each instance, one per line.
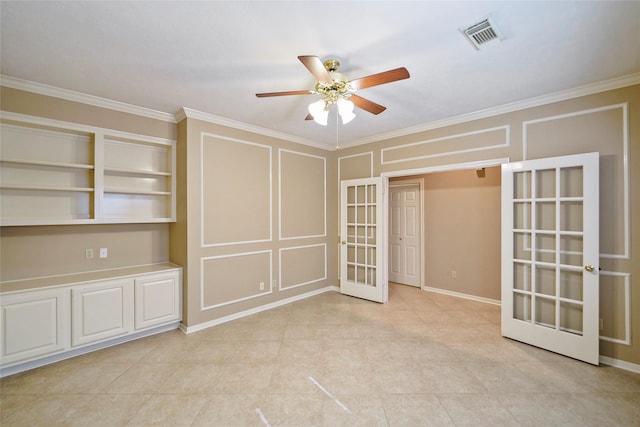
(482, 33)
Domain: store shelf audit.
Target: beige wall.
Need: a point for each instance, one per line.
(253, 222)
(607, 122)
(27, 252)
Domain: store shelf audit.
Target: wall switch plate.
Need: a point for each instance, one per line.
(601, 324)
(103, 252)
(454, 274)
(262, 286)
(88, 253)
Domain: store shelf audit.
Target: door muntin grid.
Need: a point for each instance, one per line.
(548, 248)
(361, 234)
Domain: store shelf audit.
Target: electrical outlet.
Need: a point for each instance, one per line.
(103, 252)
(88, 253)
(262, 286)
(454, 274)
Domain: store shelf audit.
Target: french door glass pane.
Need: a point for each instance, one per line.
(546, 216)
(571, 216)
(522, 246)
(571, 182)
(546, 184)
(571, 250)
(545, 281)
(571, 284)
(521, 276)
(522, 306)
(546, 248)
(522, 185)
(522, 215)
(546, 312)
(571, 318)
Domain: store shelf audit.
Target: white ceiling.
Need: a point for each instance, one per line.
(214, 56)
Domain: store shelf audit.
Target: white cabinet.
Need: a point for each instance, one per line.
(157, 300)
(43, 320)
(54, 172)
(101, 310)
(34, 324)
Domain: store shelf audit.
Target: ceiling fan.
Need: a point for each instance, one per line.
(337, 89)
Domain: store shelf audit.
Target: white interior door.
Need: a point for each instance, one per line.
(363, 243)
(550, 253)
(404, 234)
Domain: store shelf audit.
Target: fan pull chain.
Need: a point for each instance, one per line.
(337, 126)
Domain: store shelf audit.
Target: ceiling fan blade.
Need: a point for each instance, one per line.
(380, 78)
(291, 92)
(366, 105)
(316, 67)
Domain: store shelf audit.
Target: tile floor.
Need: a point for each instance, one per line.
(423, 359)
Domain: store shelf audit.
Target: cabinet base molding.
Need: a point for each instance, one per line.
(68, 354)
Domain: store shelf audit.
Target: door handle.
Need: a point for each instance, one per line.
(589, 268)
(344, 242)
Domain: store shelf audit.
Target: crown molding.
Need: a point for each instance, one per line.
(590, 89)
(96, 101)
(223, 121)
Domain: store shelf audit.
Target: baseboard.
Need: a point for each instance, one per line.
(617, 363)
(245, 313)
(462, 295)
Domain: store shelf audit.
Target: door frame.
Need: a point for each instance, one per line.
(406, 183)
(423, 171)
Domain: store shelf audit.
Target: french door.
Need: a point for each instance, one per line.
(550, 253)
(362, 241)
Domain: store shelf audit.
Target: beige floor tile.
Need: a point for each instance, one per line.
(10, 403)
(107, 411)
(355, 410)
(293, 410)
(243, 378)
(477, 410)
(141, 378)
(532, 409)
(168, 410)
(404, 410)
(450, 377)
(230, 410)
(191, 378)
(47, 410)
(87, 379)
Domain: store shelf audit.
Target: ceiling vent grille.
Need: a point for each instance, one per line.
(482, 33)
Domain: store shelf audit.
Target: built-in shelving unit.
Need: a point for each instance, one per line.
(54, 172)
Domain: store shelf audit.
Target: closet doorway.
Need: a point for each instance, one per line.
(406, 219)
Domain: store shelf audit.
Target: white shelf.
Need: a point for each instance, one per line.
(133, 191)
(134, 172)
(46, 188)
(56, 172)
(46, 164)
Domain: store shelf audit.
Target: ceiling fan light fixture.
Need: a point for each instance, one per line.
(345, 109)
(320, 112)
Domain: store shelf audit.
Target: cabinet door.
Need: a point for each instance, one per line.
(33, 324)
(101, 310)
(157, 300)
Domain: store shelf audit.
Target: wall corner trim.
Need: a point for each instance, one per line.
(83, 98)
(223, 121)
